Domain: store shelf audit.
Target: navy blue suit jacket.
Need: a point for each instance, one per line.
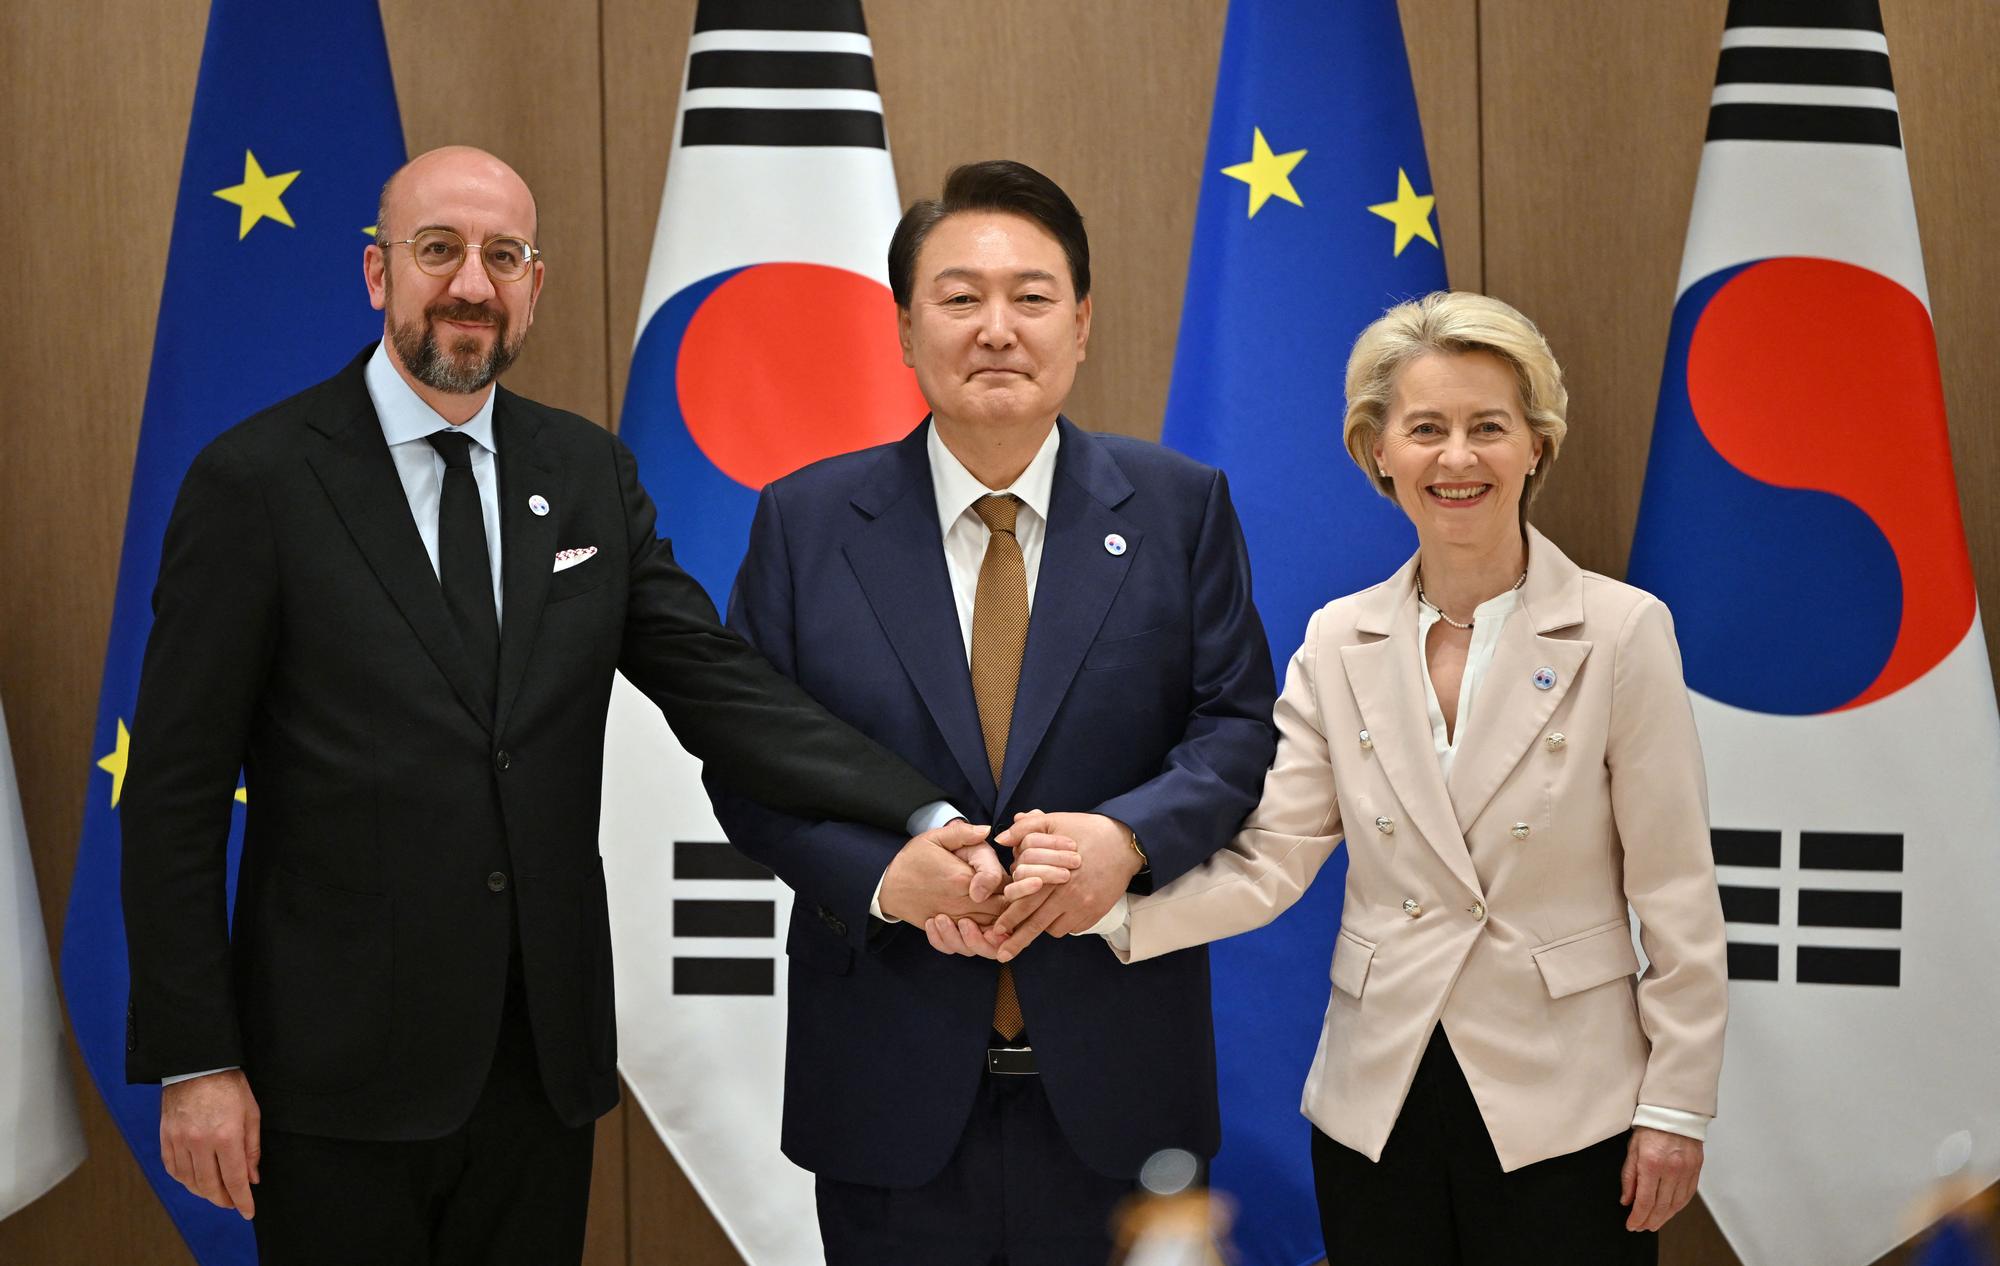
(1146, 693)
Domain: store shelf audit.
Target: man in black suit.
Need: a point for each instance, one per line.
(396, 602)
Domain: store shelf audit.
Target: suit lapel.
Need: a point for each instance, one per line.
(1385, 676)
(1511, 708)
(528, 547)
(1074, 589)
(898, 558)
(352, 463)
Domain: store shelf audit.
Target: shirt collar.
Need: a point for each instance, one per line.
(404, 414)
(1490, 614)
(956, 488)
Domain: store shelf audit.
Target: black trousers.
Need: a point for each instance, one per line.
(510, 1187)
(1438, 1197)
(1013, 1194)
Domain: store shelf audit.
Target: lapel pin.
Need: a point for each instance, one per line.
(1114, 545)
(1545, 678)
(538, 503)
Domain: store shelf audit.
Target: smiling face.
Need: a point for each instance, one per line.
(454, 334)
(1456, 444)
(994, 329)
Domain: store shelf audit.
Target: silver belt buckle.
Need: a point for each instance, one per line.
(1011, 1061)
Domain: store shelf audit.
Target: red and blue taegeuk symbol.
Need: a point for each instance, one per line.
(1800, 516)
(747, 375)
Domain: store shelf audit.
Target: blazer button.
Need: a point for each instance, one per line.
(1556, 741)
(1386, 826)
(1477, 910)
(501, 760)
(496, 882)
(1411, 908)
(1367, 740)
(1521, 830)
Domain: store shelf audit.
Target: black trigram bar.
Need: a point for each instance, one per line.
(789, 15)
(1752, 962)
(1838, 67)
(1856, 15)
(724, 918)
(1827, 965)
(710, 859)
(1761, 121)
(1734, 847)
(1749, 905)
(744, 977)
(1850, 850)
(750, 68)
(1829, 908)
(858, 128)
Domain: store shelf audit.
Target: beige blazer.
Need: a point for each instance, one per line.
(1497, 902)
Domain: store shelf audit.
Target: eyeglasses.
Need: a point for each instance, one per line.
(441, 253)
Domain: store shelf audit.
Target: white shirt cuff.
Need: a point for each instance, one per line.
(930, 817)
(1116, 925)
(1673, 1120)
(875, 902)
(168, 1081)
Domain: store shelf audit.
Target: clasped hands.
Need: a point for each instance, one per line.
(1069, 870)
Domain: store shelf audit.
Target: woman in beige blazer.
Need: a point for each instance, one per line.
(1504, 742)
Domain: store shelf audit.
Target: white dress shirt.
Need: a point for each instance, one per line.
(955, 489)
(407, 422)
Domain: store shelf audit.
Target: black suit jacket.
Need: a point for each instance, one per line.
(402, 816)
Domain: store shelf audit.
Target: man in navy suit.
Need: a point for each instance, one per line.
(1036, 617)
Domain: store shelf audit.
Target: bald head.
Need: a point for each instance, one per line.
(435, 182)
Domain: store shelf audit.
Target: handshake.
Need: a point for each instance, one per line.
(1069, 870)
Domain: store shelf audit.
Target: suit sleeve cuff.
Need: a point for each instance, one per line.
(1673, 1120)
(180, 1077)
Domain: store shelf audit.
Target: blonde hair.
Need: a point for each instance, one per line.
(1452, 322)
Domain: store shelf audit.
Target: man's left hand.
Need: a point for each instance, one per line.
(1109, 862)
(1659, 1176)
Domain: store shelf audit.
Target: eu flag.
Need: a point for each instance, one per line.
(1315, 215)
(294, 130)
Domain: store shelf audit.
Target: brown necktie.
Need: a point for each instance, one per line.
(999, 635)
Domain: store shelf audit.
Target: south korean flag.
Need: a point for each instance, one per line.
(766, 340)
(1801, 519)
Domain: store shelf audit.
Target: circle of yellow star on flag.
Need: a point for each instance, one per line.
(1410, 214)
(259, 195)
(1269, 175)
(114, 761)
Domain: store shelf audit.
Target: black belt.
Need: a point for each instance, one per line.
(1011, 1061)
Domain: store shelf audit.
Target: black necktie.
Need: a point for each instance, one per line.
(465, 568)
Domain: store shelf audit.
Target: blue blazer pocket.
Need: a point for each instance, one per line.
(1135, 648)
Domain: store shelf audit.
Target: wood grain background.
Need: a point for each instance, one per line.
(1563, 135)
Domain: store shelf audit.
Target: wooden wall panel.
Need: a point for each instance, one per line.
(96, 97)
(1443, 39)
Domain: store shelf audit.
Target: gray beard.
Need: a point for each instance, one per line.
(417, 346)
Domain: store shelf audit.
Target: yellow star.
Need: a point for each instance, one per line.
(1410, 214)
(1268, 175)
(243, 795)
(258, 195)
(114, 764)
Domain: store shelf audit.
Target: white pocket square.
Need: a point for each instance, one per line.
(568, 558)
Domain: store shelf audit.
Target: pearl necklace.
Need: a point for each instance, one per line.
(1520, 580)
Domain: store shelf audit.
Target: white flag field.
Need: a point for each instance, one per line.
(41, 1136)
(766, 340)
(1801, 519)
